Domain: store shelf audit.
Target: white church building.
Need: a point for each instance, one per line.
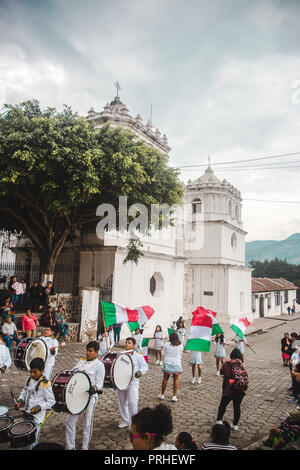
(174, 275)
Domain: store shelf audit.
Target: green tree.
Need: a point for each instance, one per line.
(56, 169)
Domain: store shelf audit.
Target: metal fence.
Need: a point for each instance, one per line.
(65, 279)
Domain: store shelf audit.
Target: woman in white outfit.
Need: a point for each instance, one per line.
(181, 331)
(196, 361)
(158, 344)
(172, 352)
(150, 427)
(220, 352)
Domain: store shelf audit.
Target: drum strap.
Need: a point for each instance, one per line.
(43, 379)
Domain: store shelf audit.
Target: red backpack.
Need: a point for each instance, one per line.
(239, 377)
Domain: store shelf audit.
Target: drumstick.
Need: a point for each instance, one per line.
(13, 396)
(46, 417)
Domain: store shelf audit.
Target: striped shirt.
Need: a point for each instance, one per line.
(215, 446)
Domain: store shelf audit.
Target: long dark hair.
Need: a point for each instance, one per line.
(174, 340)
(220, 433)
(160, 330)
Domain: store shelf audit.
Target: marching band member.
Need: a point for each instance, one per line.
(96, 371)
(5, 359)
(129, 398)
(36, 397)
(52, 350)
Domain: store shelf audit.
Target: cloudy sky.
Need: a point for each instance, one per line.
(222, 76)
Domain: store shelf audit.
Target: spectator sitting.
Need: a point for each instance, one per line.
(287, 432)
(6, 305)
(35, 294)
(48, 290)
(48, 319)
(60, 320)
(9, 313)
(29, 324)
(10, 332)
(220, 435)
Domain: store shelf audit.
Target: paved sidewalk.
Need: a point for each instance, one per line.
(264, 406)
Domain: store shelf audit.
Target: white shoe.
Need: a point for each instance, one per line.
(161, 397)
(219, 422)
(193, 380)
(160, 363)
(157, 362)
(123, 425)
(199, 380)
(174, 398)
(234, 427)
(218, 372)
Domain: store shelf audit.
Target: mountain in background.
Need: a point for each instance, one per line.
(288, 249)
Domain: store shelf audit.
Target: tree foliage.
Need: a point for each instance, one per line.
(56, 168)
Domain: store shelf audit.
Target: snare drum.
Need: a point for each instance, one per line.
(22, 434)
(118, 370)
(3, 410)
(70, 389)
(28, 349)
(5, 424)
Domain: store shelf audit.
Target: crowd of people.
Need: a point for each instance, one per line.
(149, 427)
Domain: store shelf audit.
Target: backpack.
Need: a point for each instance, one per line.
(239, 377)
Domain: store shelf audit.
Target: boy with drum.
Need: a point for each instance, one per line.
(96, 371)
(36, 397)
(129, 398)
(52, 350)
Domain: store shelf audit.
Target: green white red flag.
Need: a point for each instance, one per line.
(115, 313)
(200, 332)
(144, 314)
(216, 329)
(144, 347)
(240, 327)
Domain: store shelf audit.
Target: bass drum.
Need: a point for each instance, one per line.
(118, 370)
(5, 423)
(22, 434)
(71, 391)
(28, 349)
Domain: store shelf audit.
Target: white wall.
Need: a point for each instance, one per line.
(131, 287)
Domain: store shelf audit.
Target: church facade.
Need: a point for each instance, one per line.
(174, 275)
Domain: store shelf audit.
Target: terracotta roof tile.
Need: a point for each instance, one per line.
(265, 284)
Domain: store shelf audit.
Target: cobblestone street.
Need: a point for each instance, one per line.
(264, 406)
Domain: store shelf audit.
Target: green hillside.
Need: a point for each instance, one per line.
(288, 249)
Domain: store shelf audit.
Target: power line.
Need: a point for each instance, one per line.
(265, 200)
(239, 161)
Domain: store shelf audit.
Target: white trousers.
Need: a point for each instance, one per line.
(48, 371)
(71, 422)
(128, 402)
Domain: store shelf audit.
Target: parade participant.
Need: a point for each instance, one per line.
(5, 359)
(117, 330)
(172, 353)
(138, 339)
(196, 361)
(29, 324)
(158, 344)
(240, 345)
(235, 384)
(36, 397)
(184, 441)
(96, 371)
(150, 427)
(104, 343)
(220, 435)
(110, 333)
(129, 398)
(181, 331)
(10, 332)
(220, 352)
(52, 350)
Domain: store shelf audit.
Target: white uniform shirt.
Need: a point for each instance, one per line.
(172, 354)
(139, 363)
(5, 359)
(42, 397)
(181, 334)
(94, 369)
(51, 342)
(9, 328)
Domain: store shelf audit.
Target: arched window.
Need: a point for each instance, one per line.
(233, 241)
(197, 206)
(237, 216)
(230, 208)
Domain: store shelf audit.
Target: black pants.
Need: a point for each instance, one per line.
(236, 399)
